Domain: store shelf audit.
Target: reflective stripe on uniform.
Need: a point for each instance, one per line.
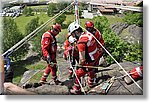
(91, 54)
(138, 70)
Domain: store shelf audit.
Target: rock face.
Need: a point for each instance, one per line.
(130, 33)
(50, 90)
(119, 27)
(136, 32)
(119, 86)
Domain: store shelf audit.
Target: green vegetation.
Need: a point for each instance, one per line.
(28, 11)
(134, 18)
(31, 26)
(60, 19)
(119, 49)
(54, 8)
(22, 21)
(114, 19)
(11, 36)
(135, 53)
(51, 9)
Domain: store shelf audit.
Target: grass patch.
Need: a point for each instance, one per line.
(113, 19)
(22, 21)
(38, 7)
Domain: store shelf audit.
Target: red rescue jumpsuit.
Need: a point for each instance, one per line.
(49, 48)
(99, 37)
(88, 44)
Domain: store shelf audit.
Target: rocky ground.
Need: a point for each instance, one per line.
(130, 33)
(118, 87)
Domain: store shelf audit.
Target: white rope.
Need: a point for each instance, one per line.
(32, 34)
(114, 60)
(76, 76)
(49, 21)
(125, 75)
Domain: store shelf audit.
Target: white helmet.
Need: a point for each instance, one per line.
(71, 39)
(72, 27)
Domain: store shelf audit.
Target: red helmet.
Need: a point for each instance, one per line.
(57, 27)
(89, 24)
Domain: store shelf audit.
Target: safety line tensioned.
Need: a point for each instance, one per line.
(114, 59)
(51, 20)
(32, 34)
(76, 75)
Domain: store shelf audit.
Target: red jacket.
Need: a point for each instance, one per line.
(98, 35)
(88, 44)
(49, 44)
(68, 49)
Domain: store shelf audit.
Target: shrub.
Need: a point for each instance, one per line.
(51, 9)
(28, 11)
(135, 53)
(134, 18)
(60, 19)
(31, 26)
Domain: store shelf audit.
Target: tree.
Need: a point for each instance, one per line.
(134, 18)
(60, 19)
(28, 11)
(51, 9)
(62, 5)
(102, 23)
(11, 36)
(32, 25)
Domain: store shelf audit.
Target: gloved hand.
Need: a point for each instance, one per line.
(49, 59)
(82, 62)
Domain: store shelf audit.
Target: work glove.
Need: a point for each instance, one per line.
(48, 59)
(82, 62)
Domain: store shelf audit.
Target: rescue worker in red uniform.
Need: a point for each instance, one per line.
(71, 53)
(89, 25)
(88, 55)
(136, 73)
(49, 48)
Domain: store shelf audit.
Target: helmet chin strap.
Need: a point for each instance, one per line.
(53, 33)
(77, 37)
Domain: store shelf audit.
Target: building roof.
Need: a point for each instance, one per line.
(107, 1)
(103, 9)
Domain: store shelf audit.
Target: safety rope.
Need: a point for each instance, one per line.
(51, 20)
(114, 59)
(32, 34)
(125, 75)
(76, 76)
